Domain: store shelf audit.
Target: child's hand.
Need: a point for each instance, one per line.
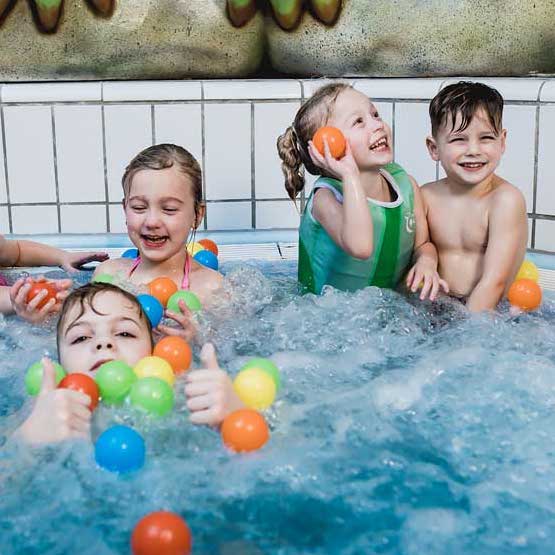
(424, 274)
(29, 310)
(72, 261)
(187, 329)
(341, 169)
(209, 391)
(58, 414)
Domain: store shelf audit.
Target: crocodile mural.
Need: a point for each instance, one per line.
(172, 39)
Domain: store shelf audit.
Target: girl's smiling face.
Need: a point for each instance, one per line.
(160, 212)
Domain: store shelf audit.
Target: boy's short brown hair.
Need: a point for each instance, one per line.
(466, 98)
(85, 296)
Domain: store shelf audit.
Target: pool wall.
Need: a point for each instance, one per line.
(64, 147)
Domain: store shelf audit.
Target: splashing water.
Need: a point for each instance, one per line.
(402, 428)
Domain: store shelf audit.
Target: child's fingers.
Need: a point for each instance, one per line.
(62, 285)
(208, 357)
(208, 375)
(417, 280)
(426, 288)
(21, 292)
(199, 402)
(435, 290)
(49, 307)
(444, 285)
(410, 277)
(36, 300)
(48, 382)
(208, 416)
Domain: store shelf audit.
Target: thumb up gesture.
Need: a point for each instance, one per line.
(58, 414)
(209, 391)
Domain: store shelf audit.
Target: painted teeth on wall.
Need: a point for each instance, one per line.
(240, 12)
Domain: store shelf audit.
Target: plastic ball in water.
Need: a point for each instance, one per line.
(120, 449)
(209, 245)
(103, 278)
(114, 379)
(83, 383)
(244, 430)
(154, 367)
(152, 307)
(267, 366)
(255, 387)
(207, 258)
(176, 351)
(40, 286)
(33, 377)
(194, 247)
(153, 395)
(526, 294)
(191, 300)
(130, 253)
(528, 270)
(334, 138)
(161, 533)
(162, 288)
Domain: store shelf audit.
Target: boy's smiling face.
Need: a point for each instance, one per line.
(469, 157)
(111, 329)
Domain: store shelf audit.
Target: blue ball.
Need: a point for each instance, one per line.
(152, 307)
(130, 253)
(207, 258)
(120, 449)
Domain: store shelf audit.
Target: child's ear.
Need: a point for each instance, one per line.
(199, 216)
(431, 145)
(503, 139)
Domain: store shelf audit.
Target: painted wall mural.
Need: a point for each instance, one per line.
(172, 39)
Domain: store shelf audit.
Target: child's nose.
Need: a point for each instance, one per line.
(152, 218)
(106, 344)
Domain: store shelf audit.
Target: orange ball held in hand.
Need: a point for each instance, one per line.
(161, 533)
(83, 383)
(209, 245)
(162, 288)
(334, 138)
(39, 286)
(525, 294)
(244, 430)
(176, 351)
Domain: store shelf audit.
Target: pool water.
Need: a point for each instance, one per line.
(402, 428)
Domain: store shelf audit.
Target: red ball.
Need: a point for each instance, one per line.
(39, 286)
(161, 533)
(209, 245)
(83, 383)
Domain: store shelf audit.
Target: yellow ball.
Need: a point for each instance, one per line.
(528, 270)
(193, 248)
(154, 367)
(255, 388)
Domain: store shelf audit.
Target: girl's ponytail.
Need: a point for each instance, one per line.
(291, 162)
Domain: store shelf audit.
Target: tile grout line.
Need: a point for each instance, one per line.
(55, 160)
(4, 146)
(203, 152)
(104, 159)
(253, 171)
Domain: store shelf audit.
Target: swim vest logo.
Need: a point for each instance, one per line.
(410, 222)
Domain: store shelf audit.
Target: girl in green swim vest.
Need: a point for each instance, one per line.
(364, 221)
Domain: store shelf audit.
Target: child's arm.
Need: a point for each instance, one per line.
(507, 235)
(349, 224)
(209, 391)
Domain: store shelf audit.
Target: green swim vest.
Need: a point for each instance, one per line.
(322, 262)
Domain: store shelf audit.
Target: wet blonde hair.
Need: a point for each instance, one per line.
(293, 144)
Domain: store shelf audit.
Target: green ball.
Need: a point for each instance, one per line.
(103, 278)
(114, 380)
(191, 300)
(267, 366)
(33, 377)
(153, 395)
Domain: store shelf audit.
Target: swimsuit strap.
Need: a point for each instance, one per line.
(186, 270)
(136, 262)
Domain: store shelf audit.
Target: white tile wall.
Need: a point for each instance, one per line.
(85, 218)
(128, 131)
(228, 151)
(180, 124)
(229, 215)
(30, 153)
(276, 214)
(79, 153)
(545, 201)
(4, 220)
(251, 89)
(545, 235)
(3, 189)
(117, 218)
(35, 219)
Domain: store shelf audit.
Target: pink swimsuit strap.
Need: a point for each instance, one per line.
(186, 270)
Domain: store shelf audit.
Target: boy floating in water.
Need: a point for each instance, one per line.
(477, 220)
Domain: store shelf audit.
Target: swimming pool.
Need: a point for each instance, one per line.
(401, 428)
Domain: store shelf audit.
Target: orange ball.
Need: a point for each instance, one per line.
(525, 294)
(83, 383)
(161, 533)
(162, 288)
(334, 138)
(37, 287)
(209, 245)
(244, 430)
(176, 351)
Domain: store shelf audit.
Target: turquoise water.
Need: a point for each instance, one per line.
(402, 428)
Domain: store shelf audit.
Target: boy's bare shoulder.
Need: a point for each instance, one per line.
(113, 265)
(434, 188)
(506, 196)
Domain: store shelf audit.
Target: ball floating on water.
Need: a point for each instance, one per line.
(334, 138)
(103, 278)
(191, 300)
(153, 395)
(162, 288)
(130, 253)
(267, 366)
(161, 533)
(209, 245)
(40, 286)
(207, 258)
(176, 351)
(255, 387)
(83, 383)
(155, 367)
(152, 307)
(114, 380)
(120, 449)
(244, 430)
(194, 247)
(525, 294)
(33, 377)
(528, 270)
